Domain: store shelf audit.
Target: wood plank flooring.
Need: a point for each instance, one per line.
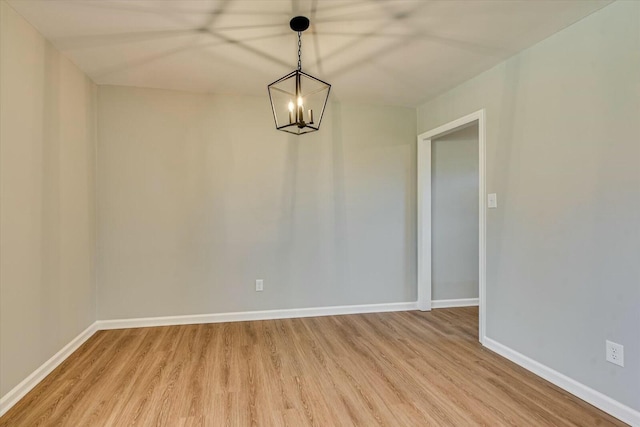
(388, 369)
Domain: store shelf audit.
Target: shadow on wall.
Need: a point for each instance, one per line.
(51, 194)
(503, 150)
(348, 211)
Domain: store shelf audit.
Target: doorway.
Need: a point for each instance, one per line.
(426, 235)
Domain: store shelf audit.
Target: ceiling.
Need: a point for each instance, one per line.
(388, 52)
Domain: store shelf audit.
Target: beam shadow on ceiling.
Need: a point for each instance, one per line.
(392, 16)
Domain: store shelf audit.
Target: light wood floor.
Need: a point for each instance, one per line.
(395, 369)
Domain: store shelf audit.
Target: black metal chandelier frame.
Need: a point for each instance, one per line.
(296, 123)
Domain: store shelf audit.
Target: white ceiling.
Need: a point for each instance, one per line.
(390, 52)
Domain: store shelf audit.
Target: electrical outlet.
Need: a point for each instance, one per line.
(615, 353)
(259, 285)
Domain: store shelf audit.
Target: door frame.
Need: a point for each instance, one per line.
(424, 211)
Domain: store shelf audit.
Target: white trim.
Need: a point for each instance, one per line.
(424, 217)
(18, 392)
(255, 315)
(424, 211)
(450, 303)
(589, 395)
(482, 223)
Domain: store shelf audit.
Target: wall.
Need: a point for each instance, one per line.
(199, 196)
(563, 155)
(47, 203)
(454, 215)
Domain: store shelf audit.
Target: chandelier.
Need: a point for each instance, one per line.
(298, 99)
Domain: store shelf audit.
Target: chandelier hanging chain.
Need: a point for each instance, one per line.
(299, 50)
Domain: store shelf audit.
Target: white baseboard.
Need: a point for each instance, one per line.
(589, 395)
(255, 315)
(450, 303)
(18, 392)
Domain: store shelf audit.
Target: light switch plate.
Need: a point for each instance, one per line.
(492, 201)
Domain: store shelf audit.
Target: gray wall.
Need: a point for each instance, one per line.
(199, 196)
(47, 204)
(454, 215)
(563, 155)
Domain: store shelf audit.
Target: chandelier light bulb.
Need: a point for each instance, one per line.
(291, 118)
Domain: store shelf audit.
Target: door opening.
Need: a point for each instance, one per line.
(427, 236)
